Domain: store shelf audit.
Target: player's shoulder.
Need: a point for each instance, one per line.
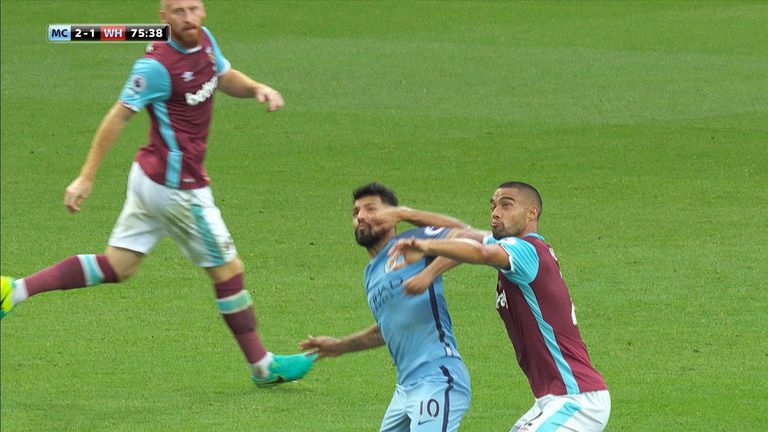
(207, 35)
(156, 50)
(511, 243)
(157, 57)
(150, 67)
(535, 240)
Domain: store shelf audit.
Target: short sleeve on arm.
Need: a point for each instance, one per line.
(149, 83)
(222, 64)
(523, 261)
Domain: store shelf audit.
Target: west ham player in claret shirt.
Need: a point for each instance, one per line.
(168, 189)
(535, 306)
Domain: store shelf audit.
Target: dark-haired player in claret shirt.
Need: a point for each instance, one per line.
(534, 304)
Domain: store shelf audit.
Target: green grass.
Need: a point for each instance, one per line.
(643, 124)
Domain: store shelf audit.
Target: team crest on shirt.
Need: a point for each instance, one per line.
(209, 51)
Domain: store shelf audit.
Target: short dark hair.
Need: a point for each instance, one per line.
(528, 190)
(375, 189)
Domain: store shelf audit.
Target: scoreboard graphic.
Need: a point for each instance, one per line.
(109, 32)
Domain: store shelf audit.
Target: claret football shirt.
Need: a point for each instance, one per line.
(535, 305)
(176, 85)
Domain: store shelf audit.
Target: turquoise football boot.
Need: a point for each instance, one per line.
(285, 368)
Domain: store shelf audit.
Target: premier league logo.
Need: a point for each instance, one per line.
(138, 83)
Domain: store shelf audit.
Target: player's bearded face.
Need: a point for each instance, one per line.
(366, 234)
(186, 20)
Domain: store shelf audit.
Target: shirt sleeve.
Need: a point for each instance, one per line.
(222, 64)
(149, 83)
(523, 260)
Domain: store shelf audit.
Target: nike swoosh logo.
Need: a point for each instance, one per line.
(420, 422)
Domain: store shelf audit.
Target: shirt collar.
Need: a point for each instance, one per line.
(537, 235)
(183, 50)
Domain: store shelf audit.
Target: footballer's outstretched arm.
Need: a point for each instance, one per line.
(463, 249)
(420, 282)
(326, 346)
(106, 135)
(237, 84)
(390, 216)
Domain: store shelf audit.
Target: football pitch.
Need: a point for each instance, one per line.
(644, 125)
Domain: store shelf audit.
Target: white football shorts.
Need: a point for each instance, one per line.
(584, 412)
(190, 217)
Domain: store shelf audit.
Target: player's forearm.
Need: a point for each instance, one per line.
(425, 218)
(238, 84)
(366, 339)
(105, 137)
(463, 250)
(467, 233)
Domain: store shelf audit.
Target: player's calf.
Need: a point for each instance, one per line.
(236, 308)
(74, 272)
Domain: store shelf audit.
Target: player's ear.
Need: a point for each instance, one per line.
(161, 12)
(533, 213)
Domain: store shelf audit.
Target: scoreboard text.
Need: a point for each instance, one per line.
(109, 32)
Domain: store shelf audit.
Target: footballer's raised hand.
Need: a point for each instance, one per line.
(387, 216)
(76, 193)
(323, 346)
(272, 97)
(404, 252)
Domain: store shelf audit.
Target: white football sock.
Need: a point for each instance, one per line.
(19, 292)
(260, 369)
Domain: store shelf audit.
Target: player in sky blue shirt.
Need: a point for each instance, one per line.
(416, 329)
(433, 389)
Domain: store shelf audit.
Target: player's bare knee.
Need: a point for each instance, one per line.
(237, 266)
(124, 272)
(226, 271)
(123, 276)
(124, 262)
